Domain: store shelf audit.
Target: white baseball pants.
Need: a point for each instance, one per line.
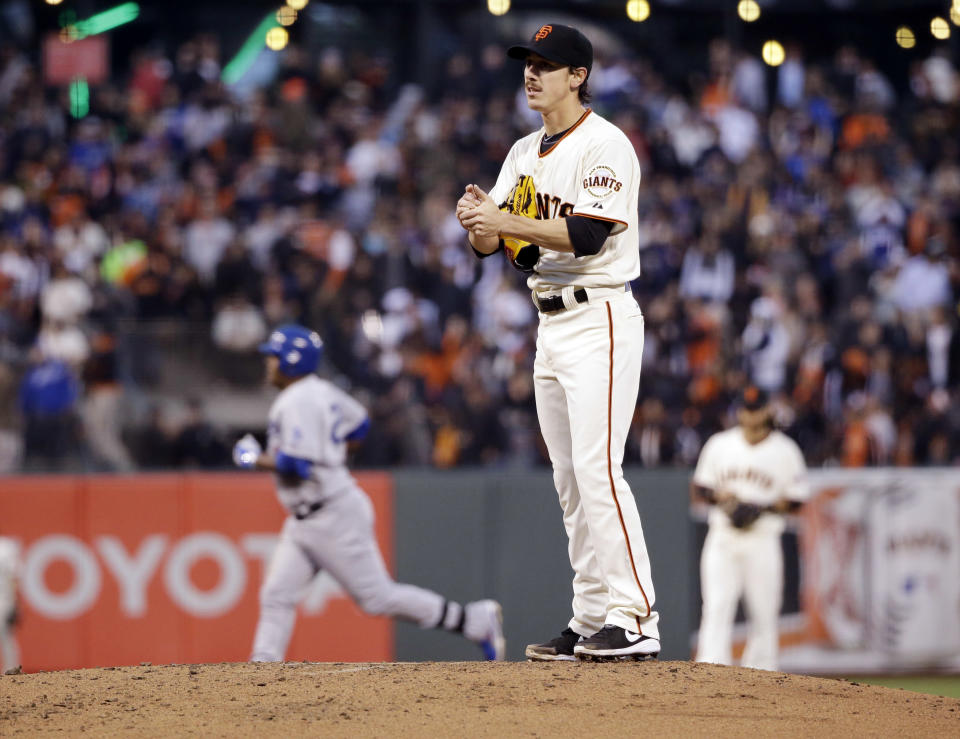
(587, 377)
(340, 539)
(733, 563)
(9, 647)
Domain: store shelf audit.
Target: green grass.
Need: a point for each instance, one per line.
(948, 685)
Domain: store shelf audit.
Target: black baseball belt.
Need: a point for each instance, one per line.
(554, 304)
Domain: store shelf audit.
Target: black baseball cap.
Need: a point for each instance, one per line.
(754, 398)
(557, 43)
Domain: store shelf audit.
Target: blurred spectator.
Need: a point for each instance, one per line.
(923, 282)
(48, 401)
(80, 242)
(651, 439)
(791, 78)
(749, 82)
(66, 298)
(198, 444)
(206, 238)
(11, 439)
(766, 345)
(151, 443)
(238, 325)
(708, 271)
(102, 408)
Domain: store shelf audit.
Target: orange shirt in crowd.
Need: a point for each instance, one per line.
(856, 444)
(864, 128)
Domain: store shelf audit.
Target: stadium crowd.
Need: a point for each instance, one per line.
(799, 229)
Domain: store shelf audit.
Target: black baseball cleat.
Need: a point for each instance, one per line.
(555, 650)
(613, 643)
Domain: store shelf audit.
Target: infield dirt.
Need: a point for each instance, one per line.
(461, 699)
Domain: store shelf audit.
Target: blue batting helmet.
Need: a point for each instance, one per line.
(299, 349)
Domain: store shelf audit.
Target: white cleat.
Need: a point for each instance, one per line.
(613, 643)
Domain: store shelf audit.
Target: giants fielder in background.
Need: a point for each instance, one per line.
(9, 567)
(564, 208)
(330, 525)
(752, 475)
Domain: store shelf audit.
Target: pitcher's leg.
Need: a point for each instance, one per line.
(291, 569)
(589, 591)
(763, 594)
(601, 388)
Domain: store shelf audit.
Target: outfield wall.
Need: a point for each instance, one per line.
(501, 534)
(165, 568)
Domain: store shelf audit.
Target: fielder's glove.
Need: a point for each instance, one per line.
(246, 452)
(522, 202)
(744, 515)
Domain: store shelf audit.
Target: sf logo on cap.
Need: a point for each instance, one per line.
(543, 33)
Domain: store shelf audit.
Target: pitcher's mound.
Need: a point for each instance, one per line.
(461, 699)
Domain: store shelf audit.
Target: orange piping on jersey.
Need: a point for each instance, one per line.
(570, 130)
(613, 487)
(600, 218)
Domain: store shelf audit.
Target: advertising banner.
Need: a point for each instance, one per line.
(881, 572)
(166, 568)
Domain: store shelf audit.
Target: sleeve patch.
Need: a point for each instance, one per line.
(601, 182)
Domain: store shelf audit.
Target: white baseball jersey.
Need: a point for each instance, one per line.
(311, 419)
(755, 473)
(592, 171)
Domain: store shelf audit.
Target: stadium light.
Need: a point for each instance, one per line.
(638, 10)
(498, 7)
(906, 39)
(79, 98)
(107, 20)
(940, 28)
(773, 53)
(955, 15)
(54, 2)
(298, 4)
(286, 16)
(748, 10)
(277, 38)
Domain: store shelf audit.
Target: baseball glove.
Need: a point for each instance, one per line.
(522, 202)
(744, 515)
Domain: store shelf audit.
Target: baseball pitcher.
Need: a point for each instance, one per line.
(751, 475)
(330, 522)
(564, 209)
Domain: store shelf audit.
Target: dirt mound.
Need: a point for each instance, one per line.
(460, 698)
